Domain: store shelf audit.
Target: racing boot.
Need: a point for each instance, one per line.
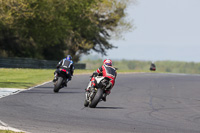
(55, 77)
(104, 95)
(65, 84)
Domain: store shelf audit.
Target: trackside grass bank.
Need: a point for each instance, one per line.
(23, 78)
(26, 78)
(8, 131)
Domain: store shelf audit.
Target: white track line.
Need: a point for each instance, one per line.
(11, 91)
(4, 126)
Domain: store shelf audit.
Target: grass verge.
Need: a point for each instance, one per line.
(23, 78)
(26, 78)
(8, 131)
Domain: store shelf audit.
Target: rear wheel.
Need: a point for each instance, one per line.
(96, 98)
(58, 84)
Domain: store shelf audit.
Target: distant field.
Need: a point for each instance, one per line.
(143, 66)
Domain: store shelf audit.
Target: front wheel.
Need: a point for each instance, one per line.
(96, 98)
(86, 103)
(58, 84)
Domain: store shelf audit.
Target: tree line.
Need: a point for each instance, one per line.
(51, 29)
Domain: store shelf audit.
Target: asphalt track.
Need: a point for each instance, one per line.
(139, 103)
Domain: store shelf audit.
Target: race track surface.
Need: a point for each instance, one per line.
(139, 103)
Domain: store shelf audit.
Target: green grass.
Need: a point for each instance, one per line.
(26, 78)
(8, 131)
(83, 71)
(132, 71)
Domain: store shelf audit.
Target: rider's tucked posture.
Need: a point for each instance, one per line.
(106, 70)
(66, 64)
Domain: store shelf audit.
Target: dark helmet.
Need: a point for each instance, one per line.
(69, 57)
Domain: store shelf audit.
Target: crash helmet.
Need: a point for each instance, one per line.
(69, 57)
(107, 62)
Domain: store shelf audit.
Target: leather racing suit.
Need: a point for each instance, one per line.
(105, 71)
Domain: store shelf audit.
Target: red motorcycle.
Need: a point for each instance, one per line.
(95, 95)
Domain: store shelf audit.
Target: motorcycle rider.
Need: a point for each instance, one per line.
(67, 64)
(106, 70)
(153, 67)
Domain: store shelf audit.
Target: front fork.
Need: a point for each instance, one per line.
(90, 95)
(87, 93)
(89, 85)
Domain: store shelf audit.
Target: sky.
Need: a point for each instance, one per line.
(164, 30)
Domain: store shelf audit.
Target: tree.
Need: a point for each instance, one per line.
(96, 27)
(51, 29)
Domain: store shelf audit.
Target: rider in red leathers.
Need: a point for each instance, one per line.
(106, 70)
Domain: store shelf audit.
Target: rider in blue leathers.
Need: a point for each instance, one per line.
(67, 64)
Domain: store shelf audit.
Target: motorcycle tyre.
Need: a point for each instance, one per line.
(57, 86)
(96, 98)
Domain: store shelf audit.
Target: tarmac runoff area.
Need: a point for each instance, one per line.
(4, 126)
(9, 91)
(3, 93)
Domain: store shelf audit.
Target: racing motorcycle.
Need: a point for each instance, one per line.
(94, 96)
(62, 80)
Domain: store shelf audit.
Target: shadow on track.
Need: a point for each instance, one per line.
(47, 87)
(50, 92)
(110, 108)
